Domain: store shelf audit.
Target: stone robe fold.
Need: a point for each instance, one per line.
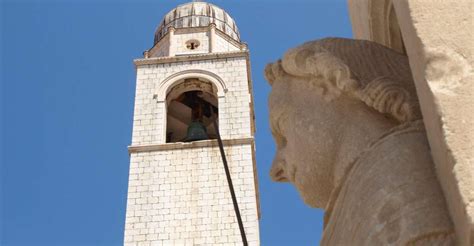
(390, 196)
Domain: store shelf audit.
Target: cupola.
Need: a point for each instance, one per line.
(195, 28)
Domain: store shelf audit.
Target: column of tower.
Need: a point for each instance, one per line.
(197, 73)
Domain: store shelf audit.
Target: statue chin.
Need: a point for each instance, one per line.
(353, 105)
(313, 194)
(312, 200)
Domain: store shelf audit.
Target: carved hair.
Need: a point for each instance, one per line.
(376, 75)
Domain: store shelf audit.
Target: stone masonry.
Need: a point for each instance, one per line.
(181, 197)
(178, 192)
(234, 110)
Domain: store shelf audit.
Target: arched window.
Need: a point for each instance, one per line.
(192, 108)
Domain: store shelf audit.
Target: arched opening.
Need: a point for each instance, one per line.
(192, 108)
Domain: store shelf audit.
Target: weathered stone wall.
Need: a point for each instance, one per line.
(222, 45)
(163, 49)
(174, 43)
(182, 36)
(439, 43)
(178, 193)
(149, 122)
(181, 197)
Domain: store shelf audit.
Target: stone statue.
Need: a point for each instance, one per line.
(346, 120)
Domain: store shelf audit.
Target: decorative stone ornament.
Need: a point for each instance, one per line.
(346, 120)
(192, 44)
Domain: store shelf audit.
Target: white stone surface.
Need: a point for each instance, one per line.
(234, 107)
(223, 44)
(438, 40)
(174, 43)
(181, 37)
(180, 196)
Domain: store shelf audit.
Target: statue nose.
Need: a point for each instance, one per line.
(277, 172)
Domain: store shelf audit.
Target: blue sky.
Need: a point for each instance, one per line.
(67, 91)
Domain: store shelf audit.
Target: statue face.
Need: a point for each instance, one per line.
(305, 128)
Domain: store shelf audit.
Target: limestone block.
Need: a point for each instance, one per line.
(186, 204)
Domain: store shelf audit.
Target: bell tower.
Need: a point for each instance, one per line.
(194, 81)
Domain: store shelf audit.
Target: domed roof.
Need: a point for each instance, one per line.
(197, 14)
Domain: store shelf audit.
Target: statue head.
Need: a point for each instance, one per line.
(329, 99)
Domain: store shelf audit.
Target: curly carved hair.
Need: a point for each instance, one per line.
(367, 71)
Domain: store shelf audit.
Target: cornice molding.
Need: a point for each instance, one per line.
(184, 58)
(187, 145)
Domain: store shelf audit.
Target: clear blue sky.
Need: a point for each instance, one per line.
(67, 91)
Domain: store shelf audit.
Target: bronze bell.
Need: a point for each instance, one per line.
(196, 131)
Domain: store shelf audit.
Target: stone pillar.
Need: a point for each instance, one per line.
(212, 37)
(171, 40)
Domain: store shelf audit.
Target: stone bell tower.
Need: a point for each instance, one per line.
(197, 73)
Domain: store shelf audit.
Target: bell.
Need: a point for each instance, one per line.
(196, 131)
